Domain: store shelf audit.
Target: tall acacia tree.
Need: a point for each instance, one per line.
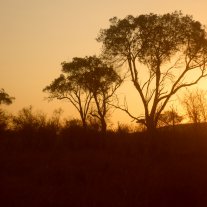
(164, 53)
(68, 86)
(102, 81)
(83, 80)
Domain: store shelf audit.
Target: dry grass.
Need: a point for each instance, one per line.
(117, 171)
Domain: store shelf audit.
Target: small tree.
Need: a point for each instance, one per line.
(102, 81)
(68, 86)
(170, 118)
(28, 122)
(161, 52)
(54, 122)
(4, 120)
(195, 104)
(85, 79)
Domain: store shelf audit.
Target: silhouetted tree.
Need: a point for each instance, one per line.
(170, 118)
(84, 79)
(161, 52)
(5, 98)
(4, 117)
(4, 120)
(34, 129)
(28, 122)
(102, 81)
(68, 86)
(195, 104)
(54, 122)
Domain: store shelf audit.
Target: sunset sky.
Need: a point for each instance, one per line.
(37, 35)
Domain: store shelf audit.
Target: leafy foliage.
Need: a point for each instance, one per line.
(5, 98)
(4, 120)
(161, 52)
(28, 122)
(68, 86)
(84, 79)
(170, 118)
(102, 81)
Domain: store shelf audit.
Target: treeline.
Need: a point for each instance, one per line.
(160, 54)
(31, 129)
(84, 163)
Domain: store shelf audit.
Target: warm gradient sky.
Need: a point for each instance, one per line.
(37, 35)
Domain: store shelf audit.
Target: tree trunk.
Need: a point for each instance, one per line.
(151, 126)
(103, 126)
(84, 124)
(152, 147)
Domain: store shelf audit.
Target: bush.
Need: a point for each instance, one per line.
(4, 121)
(34, 129)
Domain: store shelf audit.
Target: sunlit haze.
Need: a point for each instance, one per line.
(37, 35)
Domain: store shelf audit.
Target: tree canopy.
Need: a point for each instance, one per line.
(163, 54)
(82, 80)
(102, 81)
(68, 86)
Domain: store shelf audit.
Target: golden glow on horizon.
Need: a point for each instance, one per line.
(36, 36)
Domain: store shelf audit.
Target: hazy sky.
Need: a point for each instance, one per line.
(37, 35)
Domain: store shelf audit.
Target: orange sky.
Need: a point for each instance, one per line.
(37, 35)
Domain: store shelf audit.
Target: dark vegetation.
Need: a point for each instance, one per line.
(89, 85)
(47, 162)
(43, 164)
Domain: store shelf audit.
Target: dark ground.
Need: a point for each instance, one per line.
(118, 172)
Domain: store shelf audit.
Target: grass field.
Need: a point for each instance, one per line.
(118, 170)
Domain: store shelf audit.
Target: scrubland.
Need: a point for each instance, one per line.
(78, 167)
